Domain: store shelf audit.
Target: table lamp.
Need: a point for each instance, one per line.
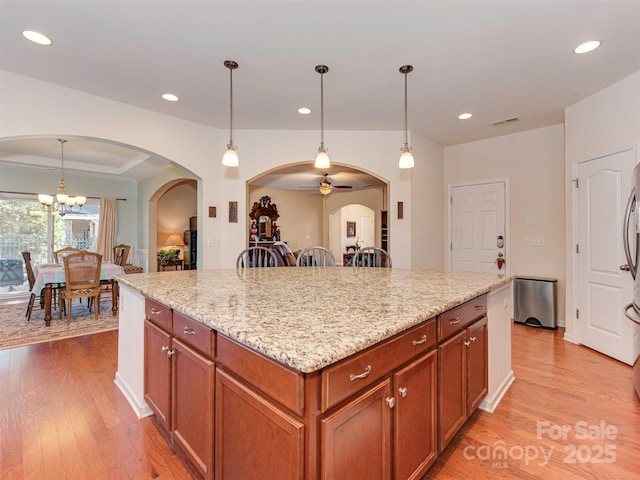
(174, 241)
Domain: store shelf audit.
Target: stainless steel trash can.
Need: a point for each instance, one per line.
(535, 301)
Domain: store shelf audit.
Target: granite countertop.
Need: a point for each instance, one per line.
(308, 318)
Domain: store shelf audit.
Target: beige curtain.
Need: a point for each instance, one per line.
(107, 228)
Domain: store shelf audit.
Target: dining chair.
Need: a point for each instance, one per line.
(121, 256)
(58, 255)
(82, 279)
(372, 257)
(31, 279)
(256, 257)
(316, 257)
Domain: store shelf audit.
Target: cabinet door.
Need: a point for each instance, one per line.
(157, 372)
(254, 438)
(452, 393)
(192, 406)
(415, 441)
(477, 364)
(356, 438)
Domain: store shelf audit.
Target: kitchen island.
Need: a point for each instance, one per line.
(281, 340)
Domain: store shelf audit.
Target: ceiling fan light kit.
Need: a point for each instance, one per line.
(406, 159)
(322, 159)
(230, 158)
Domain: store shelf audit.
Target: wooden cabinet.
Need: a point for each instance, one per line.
(254, 437)
(389, 430)
(157, 368)
(415, 420)
(356, 438)
(462, 366)
(179, 381)
(192, 406)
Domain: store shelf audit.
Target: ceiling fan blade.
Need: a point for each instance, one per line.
(341, 186)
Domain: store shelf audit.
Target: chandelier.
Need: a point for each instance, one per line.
(64, 202)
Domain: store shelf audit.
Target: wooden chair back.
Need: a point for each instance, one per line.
(256, 257)
(372, 257)
(82, 279)
(58, 255)
(316, 257)
(121, 254)
(31, 278)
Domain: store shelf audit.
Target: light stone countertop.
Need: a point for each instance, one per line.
(308, 318)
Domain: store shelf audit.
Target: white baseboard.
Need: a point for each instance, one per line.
(490, 404)
(141, 410)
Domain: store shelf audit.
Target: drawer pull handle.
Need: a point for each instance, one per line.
(189, 331)
(422, 340)
(479, 307)
(454, 322)
(155, 312)
(403, 392)
(391, 402)
(364, 374)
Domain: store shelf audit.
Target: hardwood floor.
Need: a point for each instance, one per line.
(61, 416)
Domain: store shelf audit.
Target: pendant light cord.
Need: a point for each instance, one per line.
(406, 123)
(322, 111)
(231, 107)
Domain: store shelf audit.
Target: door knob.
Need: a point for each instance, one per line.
(625, 267)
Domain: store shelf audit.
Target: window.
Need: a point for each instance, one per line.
(25, 225)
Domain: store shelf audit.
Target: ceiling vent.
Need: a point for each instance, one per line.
(506, 120)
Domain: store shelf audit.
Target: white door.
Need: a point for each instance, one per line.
(603, 289)
(478, 227)
(366, 231)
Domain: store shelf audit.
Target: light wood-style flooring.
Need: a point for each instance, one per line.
(61, 416)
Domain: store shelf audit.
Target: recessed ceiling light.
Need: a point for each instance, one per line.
(304, 110)
(465, 116)
(170, 97)
(36, 37)
(587, 47)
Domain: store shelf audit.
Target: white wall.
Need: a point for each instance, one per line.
(199, 149)
(533, 161)
(602, 123)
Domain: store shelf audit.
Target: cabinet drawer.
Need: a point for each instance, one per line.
(459, 317)
(352, 374)
(158, 313)
(194, 334)
(281, 383)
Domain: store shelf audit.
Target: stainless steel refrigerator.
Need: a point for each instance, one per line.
(631, 236)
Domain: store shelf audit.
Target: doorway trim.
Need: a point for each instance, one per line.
(507, 217)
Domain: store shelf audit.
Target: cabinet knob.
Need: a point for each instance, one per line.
(473, 339)
(166, 350)
(391, 402)
(467, 343)
(403, 392)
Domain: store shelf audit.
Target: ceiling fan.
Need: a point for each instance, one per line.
(325, 186)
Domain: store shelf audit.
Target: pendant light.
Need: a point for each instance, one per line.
(230, 158)
(322, 159)
(406, 159)
(64, 202)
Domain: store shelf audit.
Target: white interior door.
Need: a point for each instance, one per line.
(603, 289)
(478, 227)
(366, 231)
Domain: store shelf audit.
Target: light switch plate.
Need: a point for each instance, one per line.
(535, 241)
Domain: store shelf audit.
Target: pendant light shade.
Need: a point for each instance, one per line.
(406, 159)
(322, 159)
(230, 158)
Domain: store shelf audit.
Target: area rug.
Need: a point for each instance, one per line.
(16, 331)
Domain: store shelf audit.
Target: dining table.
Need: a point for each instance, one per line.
(51, 275)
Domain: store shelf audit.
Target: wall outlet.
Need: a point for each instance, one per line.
(535, 241)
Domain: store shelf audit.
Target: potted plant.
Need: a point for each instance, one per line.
(166, 256)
